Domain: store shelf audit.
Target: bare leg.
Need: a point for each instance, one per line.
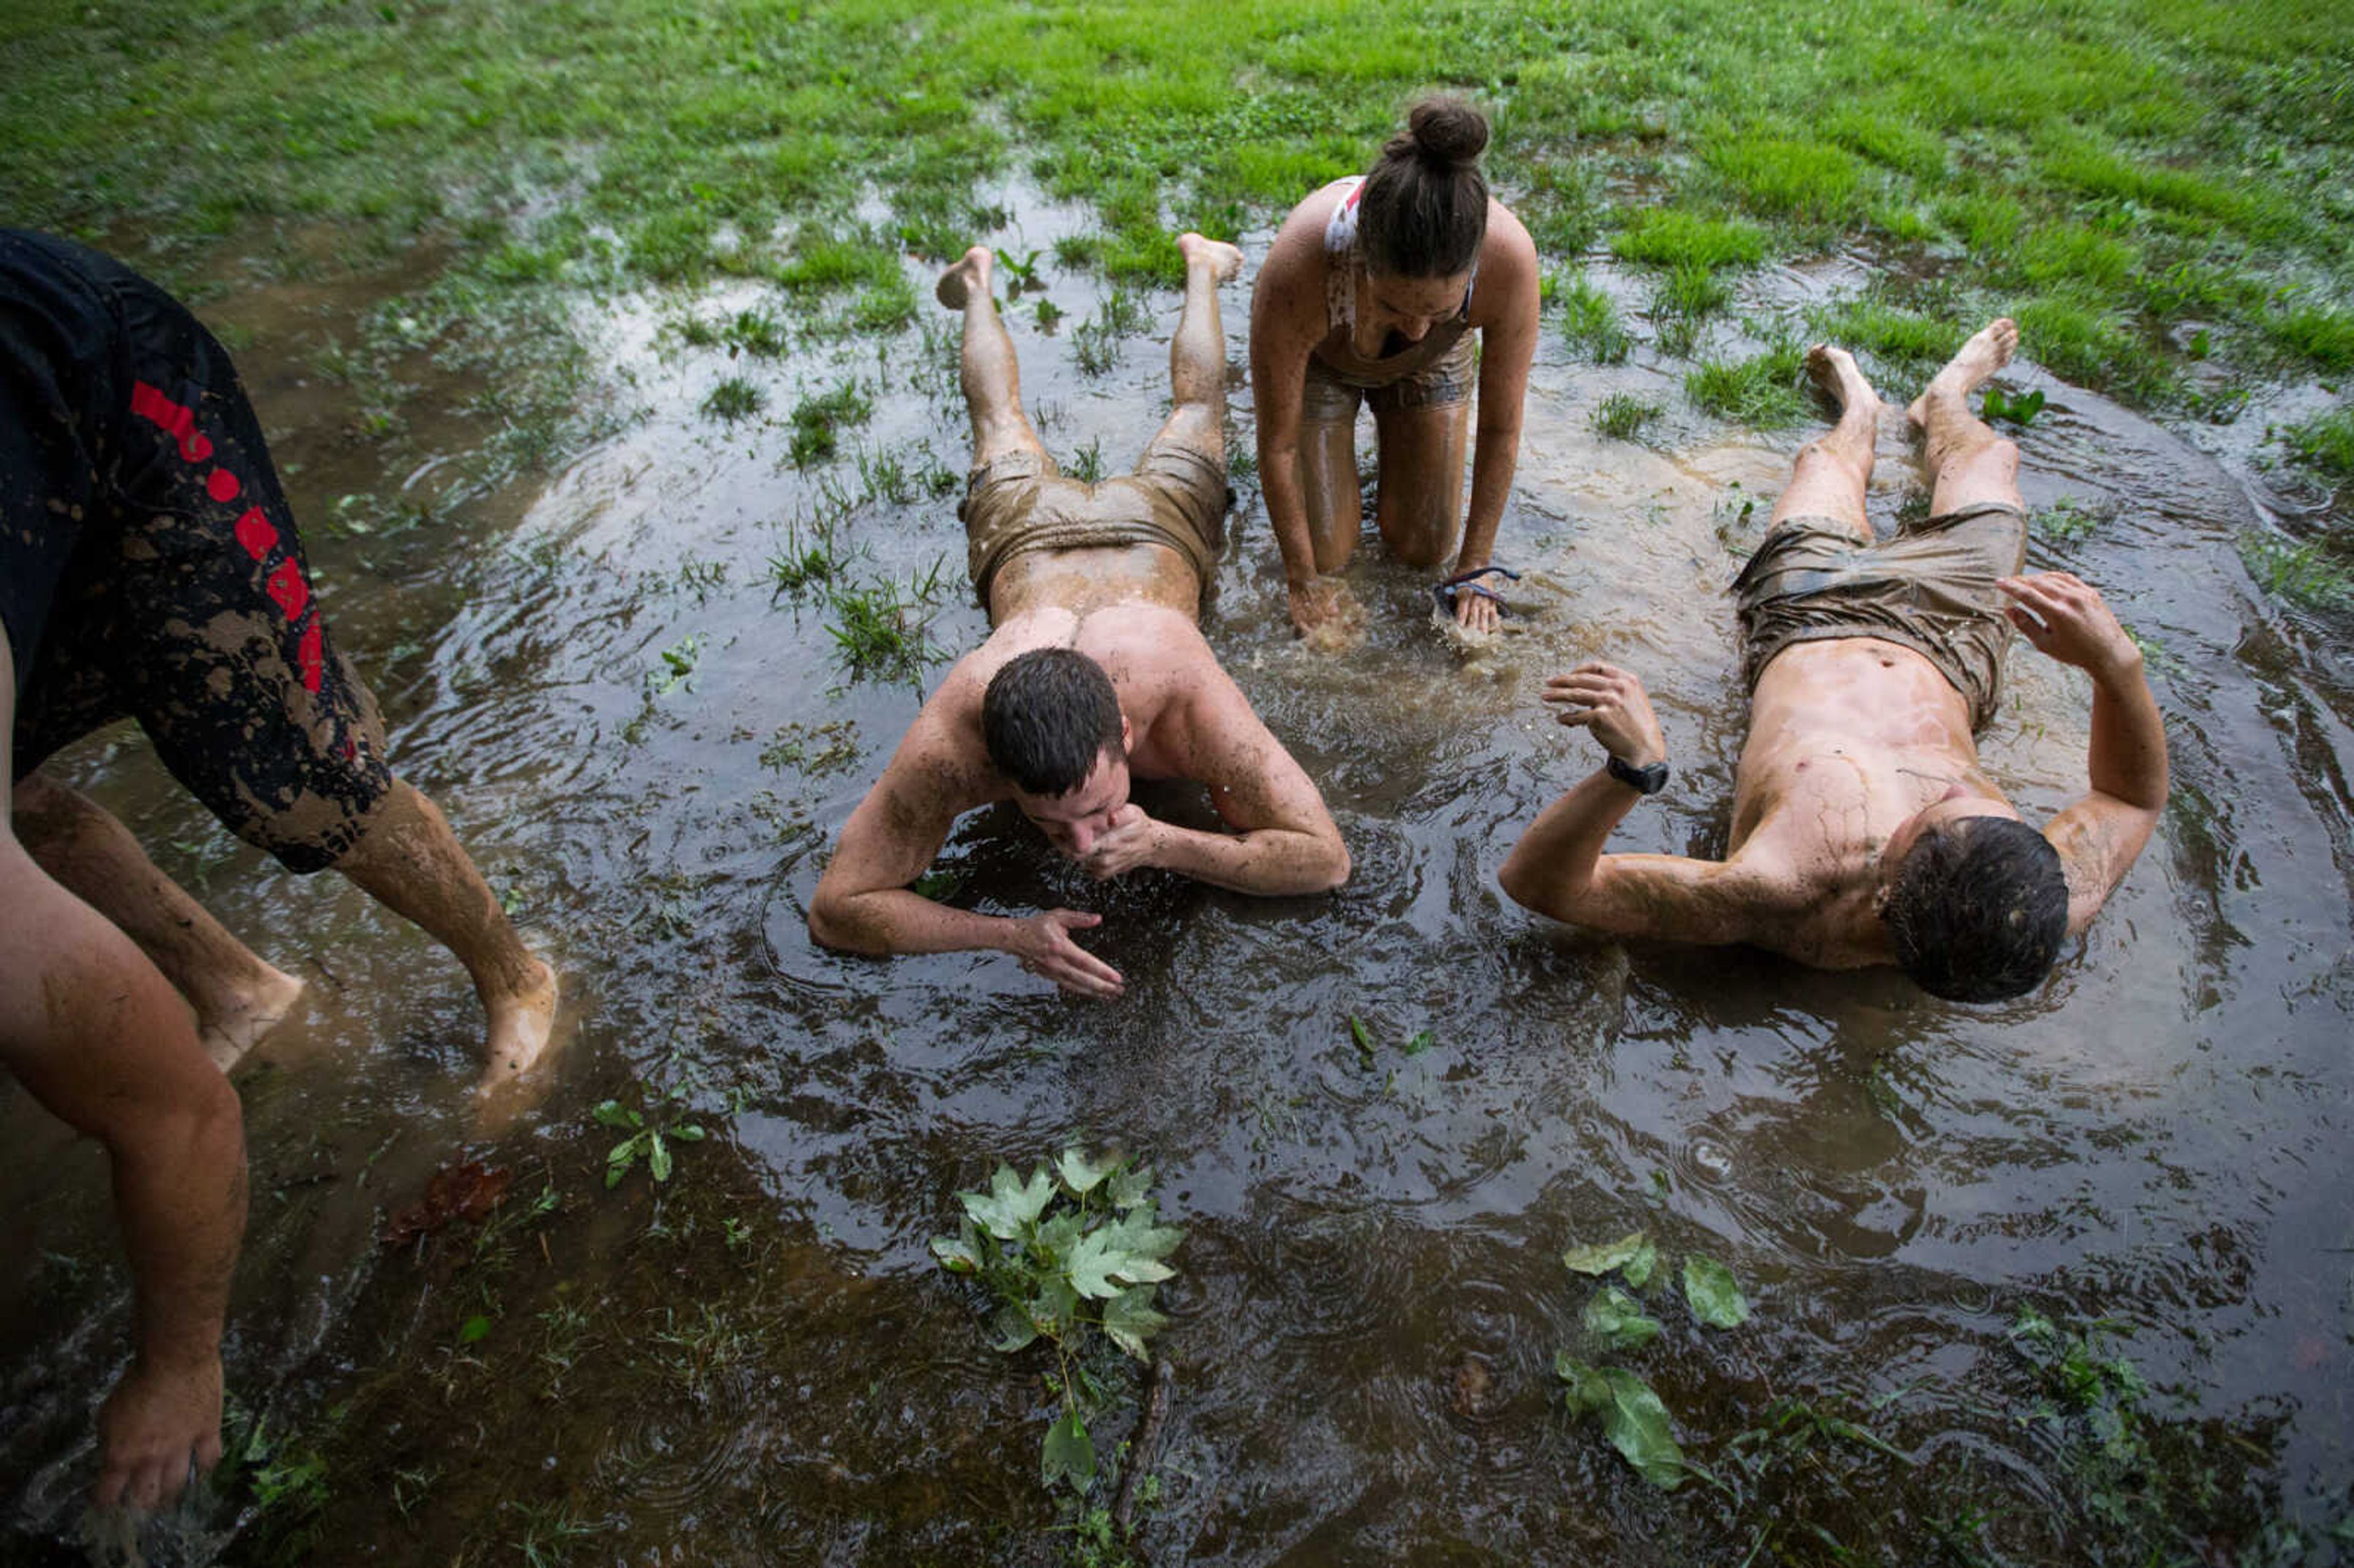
(1829, 477)
(990, 374)
(1419, 506)
(411, 862)
(1197, 351)
(1967, 462)
(84, 848)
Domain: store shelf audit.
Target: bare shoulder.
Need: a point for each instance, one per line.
(1292, 275)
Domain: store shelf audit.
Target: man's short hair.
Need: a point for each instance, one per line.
(1046, 716)
(1978, 909)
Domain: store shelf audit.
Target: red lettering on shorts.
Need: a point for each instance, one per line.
(310, 654)
(256, 533)
(221, 484)
(287, 586)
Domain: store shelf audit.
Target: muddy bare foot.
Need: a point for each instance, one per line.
(957, 283)
(1223, 260)
(235, 1023)
(1835, 376)
(522, 1025)
(1989, 350)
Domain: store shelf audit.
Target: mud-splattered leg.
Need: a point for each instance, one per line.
(236, 997)
(411, 863)
(1965, 459)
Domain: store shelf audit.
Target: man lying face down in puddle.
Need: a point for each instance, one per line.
(149, 567)
(1864, 832)
(1095, 672)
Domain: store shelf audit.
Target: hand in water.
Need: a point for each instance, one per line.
(1611, 703)
(155, 1422)
(1476, 612)
(1129, 840)
(1315, 602)
(1044, 944)
(2070, 623)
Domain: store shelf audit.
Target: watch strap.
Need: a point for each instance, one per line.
(1648, 780)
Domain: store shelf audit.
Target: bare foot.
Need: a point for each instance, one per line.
(1223, 260)
(957, 283)
(522, 1024)
(236, 1021)
(1987, 352)
(1834, 373)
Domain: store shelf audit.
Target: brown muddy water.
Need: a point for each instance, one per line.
(759, 1363)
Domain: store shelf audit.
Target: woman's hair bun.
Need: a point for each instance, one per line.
(1447, 131)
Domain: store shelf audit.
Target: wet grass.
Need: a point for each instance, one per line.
(1589, 319)
(2325, 444)
(1765, 391)
(1622, 418)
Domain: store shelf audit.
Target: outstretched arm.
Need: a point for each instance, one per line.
(91, 1028)
(2100, 836)
(863, 902)
(1558, 867)
(1285, 840)
(1508, 287)
(1287, 318)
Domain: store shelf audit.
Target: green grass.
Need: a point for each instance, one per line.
(2111, 170)
(1669, 237)
(1589, 319)
(2303, 574)
(1764, 391)
(1621, 417)
(2326, 443)
(817, 422)
(1900, 339)
(732, 399)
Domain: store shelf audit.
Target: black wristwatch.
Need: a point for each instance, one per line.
(1648, 780)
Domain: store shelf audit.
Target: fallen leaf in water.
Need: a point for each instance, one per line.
(467, 1192)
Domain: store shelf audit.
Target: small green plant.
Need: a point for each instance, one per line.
(1590, 320)
(1087, 464)
(756, 333)
(1047, 313)
(2020, 409)
(817, 422)
(2301, 573)
(802, 562)
(2067, 521)
(1621, 416)
(677, 670)
(885, 475)
(644, 1142)
(1066, 1255)
(878, 630)
(1762, 391)
(2325, 444)
(1020, 271)
(734, 398)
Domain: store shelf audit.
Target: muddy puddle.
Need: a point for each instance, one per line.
(650, 746)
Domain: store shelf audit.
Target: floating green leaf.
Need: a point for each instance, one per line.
(1604, 1256)
(657, 1157)
(1420, 1043)
(1588, 1389)
(1070, 1454)
(472, 1329)
(958, 1253)
(1014, 1329)
(1638, 1267)
(1079, 1175)
(1716, 1300)
(1363, 1036)
(1010, 1203)
(1129, 1188)
(1130, 1318)
(1616, 1321)
(688, 1132)
(1637, 1426)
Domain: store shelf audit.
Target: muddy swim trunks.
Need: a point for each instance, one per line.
(1931, 589)
(148, 566)
(1177, 498)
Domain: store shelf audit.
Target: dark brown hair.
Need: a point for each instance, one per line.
(1045, 717)
(1978, 908)
(1425, 211)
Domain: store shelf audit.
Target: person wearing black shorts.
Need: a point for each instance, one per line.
(150, 569)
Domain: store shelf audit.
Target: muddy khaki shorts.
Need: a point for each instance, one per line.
(1177, 498)
(1931, 589)
(1332, 398)
(148, 566)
